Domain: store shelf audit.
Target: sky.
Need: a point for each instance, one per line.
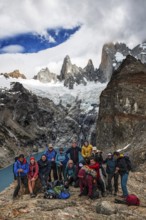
(38, 34)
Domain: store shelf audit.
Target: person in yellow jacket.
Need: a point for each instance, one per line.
(86, 150)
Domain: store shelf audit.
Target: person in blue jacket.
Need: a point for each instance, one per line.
(21, 169)
(51, 155)
(61, 161)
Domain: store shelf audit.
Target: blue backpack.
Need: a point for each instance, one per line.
(64, 195)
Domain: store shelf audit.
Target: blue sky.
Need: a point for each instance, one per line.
(34, 42)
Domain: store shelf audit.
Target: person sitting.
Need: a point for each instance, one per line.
(32, 176)
(61, 161)
(44, 171)
(51, 154)
(70, 173)
(20, 170)
(86, 150)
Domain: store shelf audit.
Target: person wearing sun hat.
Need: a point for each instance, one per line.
(32, 176)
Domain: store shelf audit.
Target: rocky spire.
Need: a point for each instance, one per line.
(66, 67)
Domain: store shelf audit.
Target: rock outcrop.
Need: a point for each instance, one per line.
(122, 115)
(28, 120)
(15, 74)
(46, 76)
(114, 54)
(72, 74)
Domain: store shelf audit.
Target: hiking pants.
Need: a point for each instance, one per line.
(101, 185)
(109, 181)
(54, 169)
(44, 179)
(61, 172)
(20, 179)
(124, 179)
(86, 182)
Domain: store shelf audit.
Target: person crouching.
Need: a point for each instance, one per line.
(32, 176)
(70, 174)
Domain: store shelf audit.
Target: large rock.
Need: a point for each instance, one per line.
(72, 74)
(15, 74)
(46, 76)
(122, 114)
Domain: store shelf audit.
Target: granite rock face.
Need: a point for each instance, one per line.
(46, 76)
(27, 120)
(122, 114)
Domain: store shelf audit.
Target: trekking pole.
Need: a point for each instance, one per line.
(19, 177)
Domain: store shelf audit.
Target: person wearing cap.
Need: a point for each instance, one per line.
(110, 170)
(20, 170)
(32, 176)
(86, 150)
(122, 169)
(51, 155)
(44, 171)
(61, 161)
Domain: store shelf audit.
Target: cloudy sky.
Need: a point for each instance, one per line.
(39, 33)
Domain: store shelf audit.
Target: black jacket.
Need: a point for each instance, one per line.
(74, 154)
(44, 167)
(122, 165)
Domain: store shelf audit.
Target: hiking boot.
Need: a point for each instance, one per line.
(81, 194)
(91, 197)
(32, 195)
(103, 194)
(115, 194)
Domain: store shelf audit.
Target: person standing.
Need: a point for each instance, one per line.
(110, 170)
(124, 173)
(51, 154)
(61, 161)
(20, 170)
(32, 176)
(86, 150)
(44, 171)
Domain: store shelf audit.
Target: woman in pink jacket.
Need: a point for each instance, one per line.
(32, 176)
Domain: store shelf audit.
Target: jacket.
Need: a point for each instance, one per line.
(86, 151)
(122, 165)
(44, 167)
(96, 168)
(74, 154)
(110, 165)
(70, 172)
(33, 170)
(61, 158)
(19, 165)
(50, 154)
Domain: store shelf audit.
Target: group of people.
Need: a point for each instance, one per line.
(80, 167)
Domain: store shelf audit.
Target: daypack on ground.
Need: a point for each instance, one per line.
(130, 200)
(57, 192)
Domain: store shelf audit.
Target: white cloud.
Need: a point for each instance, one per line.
(102, 21)
(12, 49)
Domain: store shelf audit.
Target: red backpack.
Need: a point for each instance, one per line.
(132, 200)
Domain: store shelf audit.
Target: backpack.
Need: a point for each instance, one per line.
(50, 194)
(132, 200)
(64, 195)
(128, 163)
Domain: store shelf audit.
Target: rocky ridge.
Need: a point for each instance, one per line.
(15, 74)
(122, 115)
(27, 120)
